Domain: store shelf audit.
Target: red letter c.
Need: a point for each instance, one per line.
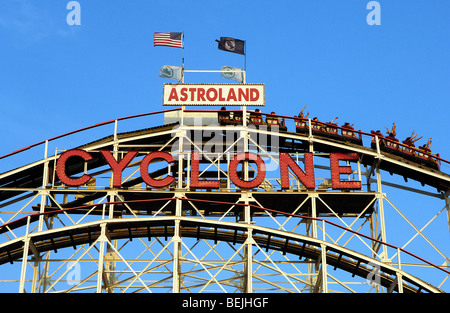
(61, 167)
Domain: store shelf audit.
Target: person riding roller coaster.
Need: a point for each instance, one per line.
(424, 155)
(229, 117)
(392, 133)
(349, 133)
(224, 116)
(301, 124)
(375, 134)
(426, 147)
(301, 113)
(391, 144)
(409, 142)
(331, 129)
(256, 118)
(317, 127)
(273, 120)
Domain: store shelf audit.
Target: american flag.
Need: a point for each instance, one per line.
(168, 40)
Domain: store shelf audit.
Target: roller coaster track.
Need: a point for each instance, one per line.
(302, 246)
(169, 207)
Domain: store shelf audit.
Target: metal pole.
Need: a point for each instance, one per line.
(380, 197)
(101, 257)
(311, 268)
(447, 205)
(26, 247)
(248, 251)
(245, 56)
(399, 275)
(182, 61)
(324, 268)
(24, 265)
(177, 246)
(44, 192)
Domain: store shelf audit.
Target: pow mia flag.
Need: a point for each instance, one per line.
(231, 45)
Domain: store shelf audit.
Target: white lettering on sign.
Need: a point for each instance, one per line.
(213, 94)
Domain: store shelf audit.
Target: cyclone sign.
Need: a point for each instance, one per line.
(287, 163)
(213, 94)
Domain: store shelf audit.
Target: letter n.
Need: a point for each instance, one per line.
(307, 179)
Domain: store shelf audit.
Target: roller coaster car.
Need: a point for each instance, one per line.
(373, 144)
(226, 118)
(425, 157)
(318, 128)
(275, 121)
(348, 132)
(390, 145)
(256, 119)
(301, 125)
(408, 151)
(331, 131)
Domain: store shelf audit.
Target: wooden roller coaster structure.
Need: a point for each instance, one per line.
(115, 232)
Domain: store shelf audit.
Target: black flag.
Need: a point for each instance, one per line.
(231, 45)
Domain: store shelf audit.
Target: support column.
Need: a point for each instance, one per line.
(100, 273)
(246, 195)
(324, 269)
(248, 248)
(44, 192)
(447, 205)
(312, 232)
(176, 257)
(176, 272)
(314, 214)
(37, 260)
(176, 269)
(380, 197)
(399, 275)
(23, 271)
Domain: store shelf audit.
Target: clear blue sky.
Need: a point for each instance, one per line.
(55, 78)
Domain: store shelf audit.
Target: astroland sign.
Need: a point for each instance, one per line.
(213, 94)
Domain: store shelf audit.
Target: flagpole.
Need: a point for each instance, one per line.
(245, 62)
(182, 81)
(182, 62)
(245, 55)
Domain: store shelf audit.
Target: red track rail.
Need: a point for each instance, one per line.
(360, 133)
(86, 128)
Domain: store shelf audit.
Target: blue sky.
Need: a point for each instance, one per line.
(56, 78)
